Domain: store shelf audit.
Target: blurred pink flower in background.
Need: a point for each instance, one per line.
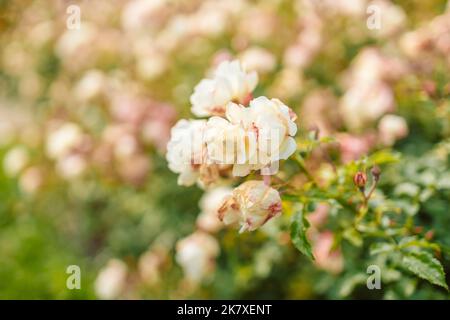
(392, 128)
(196, 254)
(369, 93)
(308, 43)
(151, 264)
(111, 280)
(319, 216)
(258, 59)
(31, 179)
(319, 110)
(352, 147)
(327, 257)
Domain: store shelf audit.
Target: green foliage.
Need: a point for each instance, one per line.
(424, 265)
(299, 226)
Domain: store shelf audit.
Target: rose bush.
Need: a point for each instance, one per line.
(225, 149)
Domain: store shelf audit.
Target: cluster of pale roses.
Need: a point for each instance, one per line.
(242, 134)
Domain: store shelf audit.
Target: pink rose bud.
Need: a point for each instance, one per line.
(360, 179)
(376, 172)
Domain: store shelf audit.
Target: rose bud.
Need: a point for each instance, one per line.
(252, 204)
(376, 172)
(360, 179)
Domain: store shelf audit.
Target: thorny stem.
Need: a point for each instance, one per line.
(301, 163)
(366, 197)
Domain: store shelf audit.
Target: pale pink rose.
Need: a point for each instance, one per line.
(90, 86)
(111, 280)
(369, 92)
(15, 160)
(259, 24)
(150, 265)
(287, 83)
(71, 166)
(429, 41)
(268, 129)
(319, 110)
(230, 82)
(156, 127)
(196, 254)
(392, 128)
(140, 14)
(363, 104)
(31, 180)
(352, 147)
(251, 205)
(134, 169)
(393, 18)
(413, 43)
(258, 59)
(128, 108)
(221, 56)
(64, 140)
(186, 150)
(371, 65)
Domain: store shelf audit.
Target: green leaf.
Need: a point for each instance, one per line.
(299, 226)
(290, 197)
(424, 265)
(407, 189)
(327, 139)
(349, 283)
(383, 157)
(352, 235)
(414, 241)
(381, 247)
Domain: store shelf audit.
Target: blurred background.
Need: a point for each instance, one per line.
(89, 90)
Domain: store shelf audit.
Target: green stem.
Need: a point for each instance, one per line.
(301, 164)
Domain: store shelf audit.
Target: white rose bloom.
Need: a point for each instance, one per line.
(125, 146)
(185, 150)
(61, 141)
(394, 18)
(210, 204)
(15, 160)
(230, 82)
(225, 141)
(71, 166)
(196, 254)
(262, 135)
(392, 128)
(364, 103)
(138, 14)
(90, 85)
(259, 60)
(151, 64)
(70, 43)
(111, 280)
(251, 205)
(150, 265)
